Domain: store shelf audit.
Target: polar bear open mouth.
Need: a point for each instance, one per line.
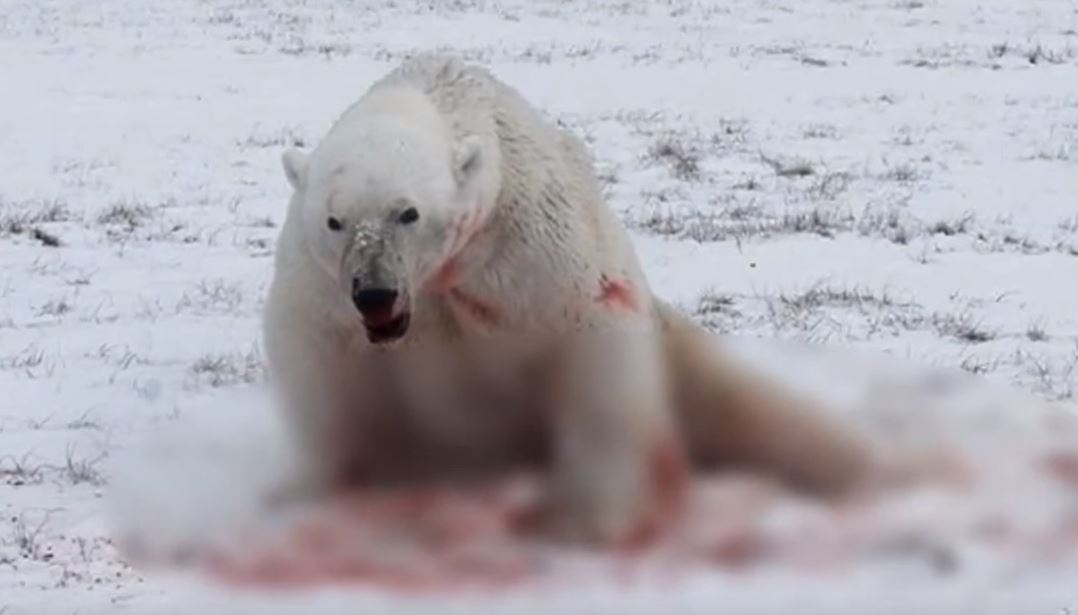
(389, 330)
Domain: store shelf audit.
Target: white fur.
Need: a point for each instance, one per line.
(548, 376)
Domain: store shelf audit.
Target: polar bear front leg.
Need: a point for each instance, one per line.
(338, 407)
(619, 468)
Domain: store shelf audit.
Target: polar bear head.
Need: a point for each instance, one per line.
(386, 201)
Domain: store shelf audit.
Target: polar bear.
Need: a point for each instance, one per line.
(451, 298)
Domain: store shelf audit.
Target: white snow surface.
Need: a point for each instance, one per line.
(861, 194)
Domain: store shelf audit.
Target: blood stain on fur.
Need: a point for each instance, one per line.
(477, 308)
(617, 294)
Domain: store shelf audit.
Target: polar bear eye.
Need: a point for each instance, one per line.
(408, 216)
(334, 224)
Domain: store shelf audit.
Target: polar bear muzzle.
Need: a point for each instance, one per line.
(378, 306)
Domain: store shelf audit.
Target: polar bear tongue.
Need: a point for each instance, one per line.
(384, 330)
(379, 316)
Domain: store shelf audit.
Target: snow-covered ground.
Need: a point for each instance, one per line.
(881, 176)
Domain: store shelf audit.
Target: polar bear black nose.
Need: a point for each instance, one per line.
(373, 302)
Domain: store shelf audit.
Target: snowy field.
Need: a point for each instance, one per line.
(896, 180)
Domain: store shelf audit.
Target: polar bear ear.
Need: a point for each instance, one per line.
(295, 167)
(467, 158)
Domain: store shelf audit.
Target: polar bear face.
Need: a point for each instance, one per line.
(381, 210)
